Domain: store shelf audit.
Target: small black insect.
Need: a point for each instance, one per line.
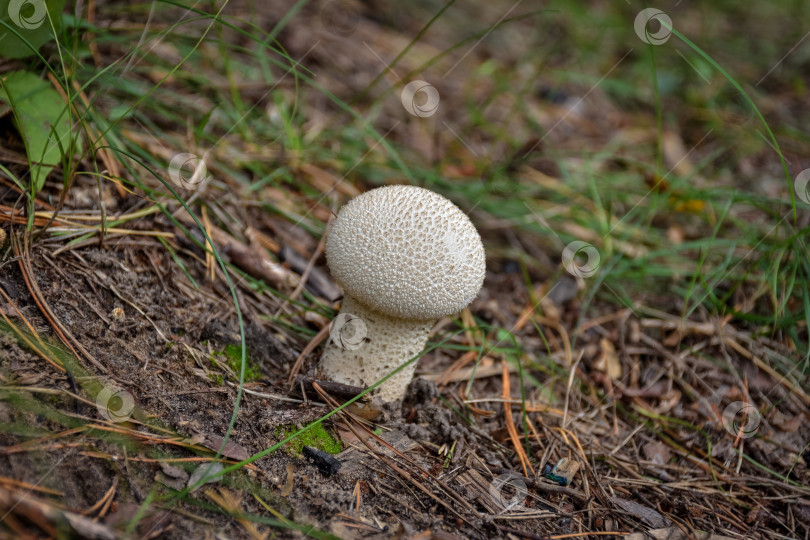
(326, 463)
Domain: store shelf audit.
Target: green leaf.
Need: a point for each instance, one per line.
(41, 118)
(31, 19)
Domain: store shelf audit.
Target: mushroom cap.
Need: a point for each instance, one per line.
(406, 252)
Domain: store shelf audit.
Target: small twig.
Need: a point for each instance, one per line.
(276, 396)
(542, 486)
(48, 517)
(345, 391)
(311, 264)
(203, 391)
(568, 389)
(27, 271)
(104, 502)
(510, 423)
(299, 362)
(24, 338)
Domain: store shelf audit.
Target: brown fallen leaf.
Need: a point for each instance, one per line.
(51, 519)
(675, 234)
(657, 452)
(231, 502)
(792, 424)
(675, 154)
(173, 471)
(152, 522)
(674, 533)
(643, 512)
(232, 450)
(324, 181)
(608, 362)
(656, 390)
(250, 258)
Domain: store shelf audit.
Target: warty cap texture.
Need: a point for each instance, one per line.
(406, 252)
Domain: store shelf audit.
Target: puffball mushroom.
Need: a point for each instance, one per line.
(405, 257)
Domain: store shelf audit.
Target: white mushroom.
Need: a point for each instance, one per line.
(405, 257)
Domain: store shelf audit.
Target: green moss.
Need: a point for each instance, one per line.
(233, 358)
(316, 437)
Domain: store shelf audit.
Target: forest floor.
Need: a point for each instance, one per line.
(642, 195)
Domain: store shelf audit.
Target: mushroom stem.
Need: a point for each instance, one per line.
(387, 338)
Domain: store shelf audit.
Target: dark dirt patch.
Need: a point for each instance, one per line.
(159, 348)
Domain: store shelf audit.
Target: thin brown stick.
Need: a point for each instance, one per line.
(311, 264)
(23, 257)
(299, 362)
(510, 423)
(50, 518)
